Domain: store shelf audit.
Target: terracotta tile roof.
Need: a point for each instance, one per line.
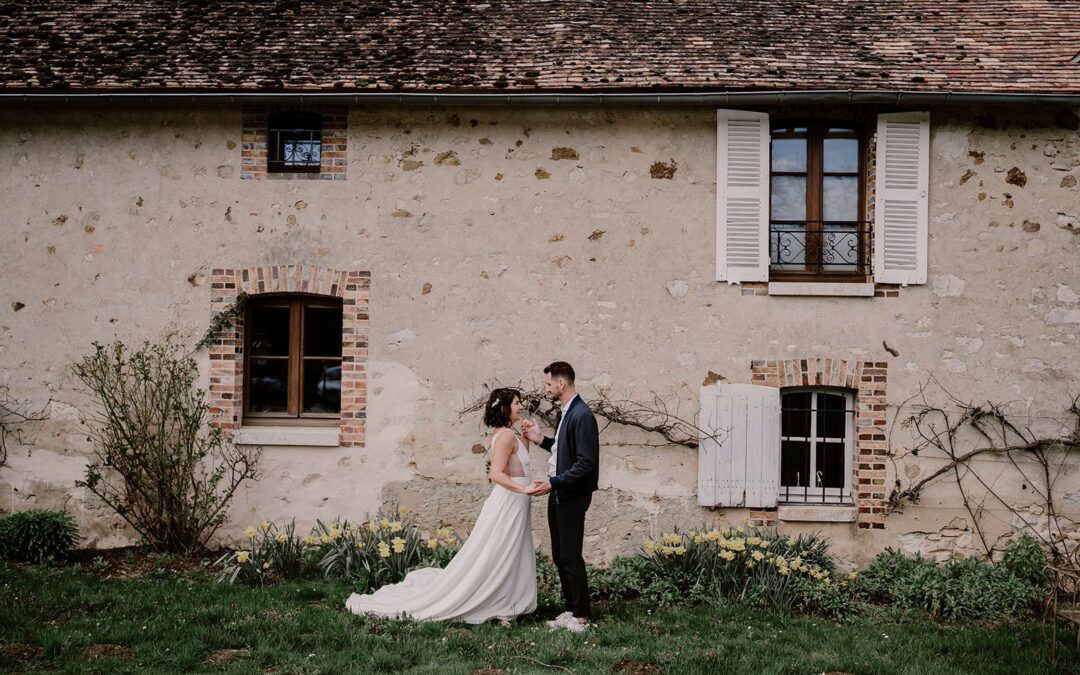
(540, 45)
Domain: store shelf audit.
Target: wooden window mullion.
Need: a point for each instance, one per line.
(295, 357)
(814, 164)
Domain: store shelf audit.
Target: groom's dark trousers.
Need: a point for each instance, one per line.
(566, 519)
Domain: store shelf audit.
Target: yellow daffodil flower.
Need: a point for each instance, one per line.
(384, 549)
(250, 532)
(281, 538)
(242, 556)
(433, 544)
(399, 545)
(395, 526)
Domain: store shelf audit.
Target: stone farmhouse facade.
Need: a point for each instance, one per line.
(790, 221)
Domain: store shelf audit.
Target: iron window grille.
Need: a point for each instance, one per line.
(841, 248)
(294, 142)
(816, 441)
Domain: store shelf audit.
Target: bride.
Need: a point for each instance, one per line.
(493, 576)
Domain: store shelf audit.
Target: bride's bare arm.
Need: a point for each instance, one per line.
(500, 458)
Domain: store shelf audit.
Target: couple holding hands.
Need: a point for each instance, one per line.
(493, 576)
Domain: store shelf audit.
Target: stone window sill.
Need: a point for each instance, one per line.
(292, 436)
(858, 290)
(838, 513)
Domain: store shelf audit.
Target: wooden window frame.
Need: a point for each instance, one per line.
(294, 416)
(814, 494)
(287, 120)
(815, 151)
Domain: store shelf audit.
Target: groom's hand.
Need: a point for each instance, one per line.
(538, 487)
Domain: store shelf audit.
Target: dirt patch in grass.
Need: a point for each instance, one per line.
(634, 667)
(227, 656)
(135, 561)
(19, 653)
(108, 651)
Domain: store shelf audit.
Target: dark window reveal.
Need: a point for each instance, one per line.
(294, 142)
(816, 431)
(293, 358)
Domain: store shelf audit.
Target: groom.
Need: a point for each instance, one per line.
(573, 472)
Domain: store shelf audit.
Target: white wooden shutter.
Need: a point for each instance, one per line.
(739, 449)
(742, 196)
(901, 211)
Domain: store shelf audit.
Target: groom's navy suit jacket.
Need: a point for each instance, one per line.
(577, 466)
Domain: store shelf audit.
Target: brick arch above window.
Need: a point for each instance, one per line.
(226, 352)
(868, 380)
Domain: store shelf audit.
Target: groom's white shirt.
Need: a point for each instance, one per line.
(554, 459)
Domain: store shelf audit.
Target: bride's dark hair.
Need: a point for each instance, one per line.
(497, 410)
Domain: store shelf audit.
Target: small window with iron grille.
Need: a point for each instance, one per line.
(294, 142)
(817, 227)
(816, 430)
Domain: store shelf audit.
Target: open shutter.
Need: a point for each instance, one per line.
(901, 209)
(739, 449)
(742, 196)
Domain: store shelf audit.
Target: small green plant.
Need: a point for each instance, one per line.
(100, 564)
(37, 536)
(960, 589)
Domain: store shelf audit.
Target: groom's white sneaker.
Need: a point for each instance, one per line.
(569, 622)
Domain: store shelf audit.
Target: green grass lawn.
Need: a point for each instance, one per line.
(58, 619)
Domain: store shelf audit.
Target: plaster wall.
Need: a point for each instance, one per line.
(490, 258)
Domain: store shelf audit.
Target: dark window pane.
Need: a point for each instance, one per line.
(270, 330)
(322, 331)
(796, 415)
(789, 198)
(300, 151)
(322, 386)
(830, 465)
(840, 198)
(831, 416)
(841, 150)
(268, 385)
(789, 150)
(795, 463)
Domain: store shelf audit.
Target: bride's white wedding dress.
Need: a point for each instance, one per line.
(493, 576)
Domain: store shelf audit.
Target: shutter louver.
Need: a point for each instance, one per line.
(739, 449)
(902, 206)
(742, 196)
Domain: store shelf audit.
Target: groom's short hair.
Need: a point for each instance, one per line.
(561, 369)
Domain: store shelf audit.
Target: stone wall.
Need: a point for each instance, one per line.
(498, 240)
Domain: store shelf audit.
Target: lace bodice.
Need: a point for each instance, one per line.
(518, 464)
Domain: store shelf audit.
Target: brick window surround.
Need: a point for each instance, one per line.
(226, 352)
(867, 379)
(255, 137)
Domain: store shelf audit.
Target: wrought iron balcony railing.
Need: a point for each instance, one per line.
(820, 247)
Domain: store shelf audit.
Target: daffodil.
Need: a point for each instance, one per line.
(281, 538)
(324, 539)
(395, 526)
(265, 525)
(385, 522)
(384, 549)
(727, 555)
(399, 545)
(753, 541)
(790, 541)
(650, 546)
(372, 526)
(757, 556)
(853, 576)
(335, 534)
(679, 550)
(309, 540)
(266, 565)
(667, 550)
(402, 510)
(242, 556)
(250, 532)
(433, 544)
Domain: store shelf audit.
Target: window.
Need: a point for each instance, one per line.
(791, 203)
(294, 142)
(816, 224)
(293, 359)
(816, 430)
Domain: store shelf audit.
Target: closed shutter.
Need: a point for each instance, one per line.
(742, 196)
(902, 212)
(739, 449)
